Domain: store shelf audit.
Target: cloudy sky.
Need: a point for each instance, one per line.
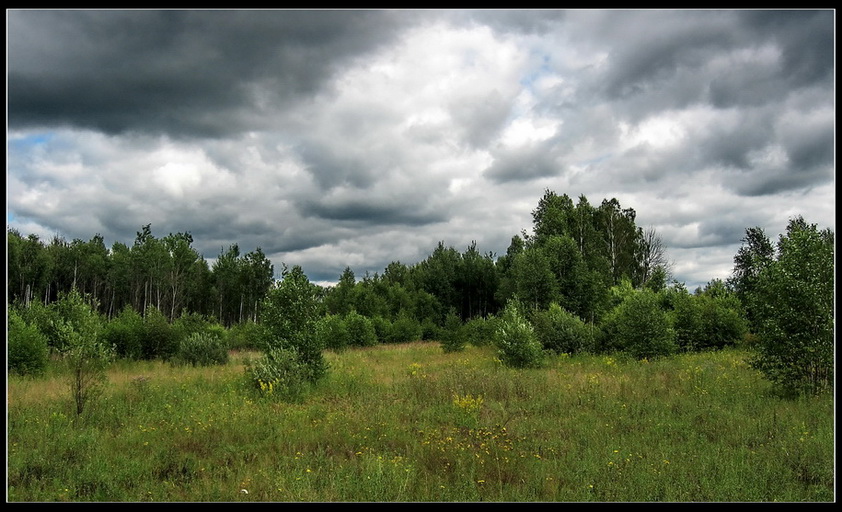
(356, 138)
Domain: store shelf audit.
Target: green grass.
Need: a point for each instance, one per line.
(409, 422)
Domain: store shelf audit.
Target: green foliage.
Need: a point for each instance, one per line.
(84, 353)
(159, 340)
(405, 328)
(562, 332)
(453, 335)
(517, 345)
(126, 333)
(793, 304)
(247, 335)
(290, 313)
(333, 333)
(480, 331)
(382, 328)
(639, 327)
(429, 330)
(361, 331)
(709, 320)
(27, 346)
(201, 348)
(280, 373)
(44, 318)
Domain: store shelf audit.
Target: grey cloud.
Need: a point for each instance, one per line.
(374, 211)
(522, 164)
(180, 72)
(481, 117)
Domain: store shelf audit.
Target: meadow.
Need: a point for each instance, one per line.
(411, 423)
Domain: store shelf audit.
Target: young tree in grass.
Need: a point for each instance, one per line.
(290, 313)
(793, 301)
(82, 349)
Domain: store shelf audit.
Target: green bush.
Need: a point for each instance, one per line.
(361, 331)
(44, 318)
(429, 330)
(189, 323)
(248, 335)
(159, 340)
(639, 327)
(27, 346)
(201, 349)
(83, 351)
(382, 328)
(452, 335)
(479, 331)
(280, 373)
(126, 333)
(404, 329)
(333, 333)
(518, 347)
(562, 332)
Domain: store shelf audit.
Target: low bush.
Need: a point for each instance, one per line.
(361, 331)
(27, 347)
(453, 337)
(518, 347)
(279, 373)
(561, 331)
(201, 349)
(333, 333)
(639, 327)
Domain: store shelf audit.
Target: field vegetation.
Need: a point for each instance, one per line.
(411, 422)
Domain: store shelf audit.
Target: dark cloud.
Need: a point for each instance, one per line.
(526, 163)
(193, 73)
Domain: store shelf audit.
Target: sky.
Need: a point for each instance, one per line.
(334, 138)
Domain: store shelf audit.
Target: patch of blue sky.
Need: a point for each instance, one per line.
(30, 140)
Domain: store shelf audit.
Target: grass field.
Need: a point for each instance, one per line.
(409, 422)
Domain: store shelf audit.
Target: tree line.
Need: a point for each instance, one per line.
(585, 279)
(166, 273)
(575, 254)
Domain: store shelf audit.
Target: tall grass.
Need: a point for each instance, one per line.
(409, 422)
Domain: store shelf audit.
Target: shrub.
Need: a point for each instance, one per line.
(639, 327)
(382, 328)
(429, 330)
(159, 340)
(28, 349)
(248, 335)
(280, 373)
(518, 347)
(453, 337)
(479, 331)
(201, 349)
(562, 332)
(126, 333)
(290, 313)
(83, 350)
(44, 318)
(404, 329)
(332, 333)
(361, 331)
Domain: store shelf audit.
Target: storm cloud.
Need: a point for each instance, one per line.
(360, 137)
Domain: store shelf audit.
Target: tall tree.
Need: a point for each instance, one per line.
(754, 256)
(226, 277)
(619, 237)
(794, 307)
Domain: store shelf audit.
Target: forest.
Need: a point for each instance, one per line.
(585, 279)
